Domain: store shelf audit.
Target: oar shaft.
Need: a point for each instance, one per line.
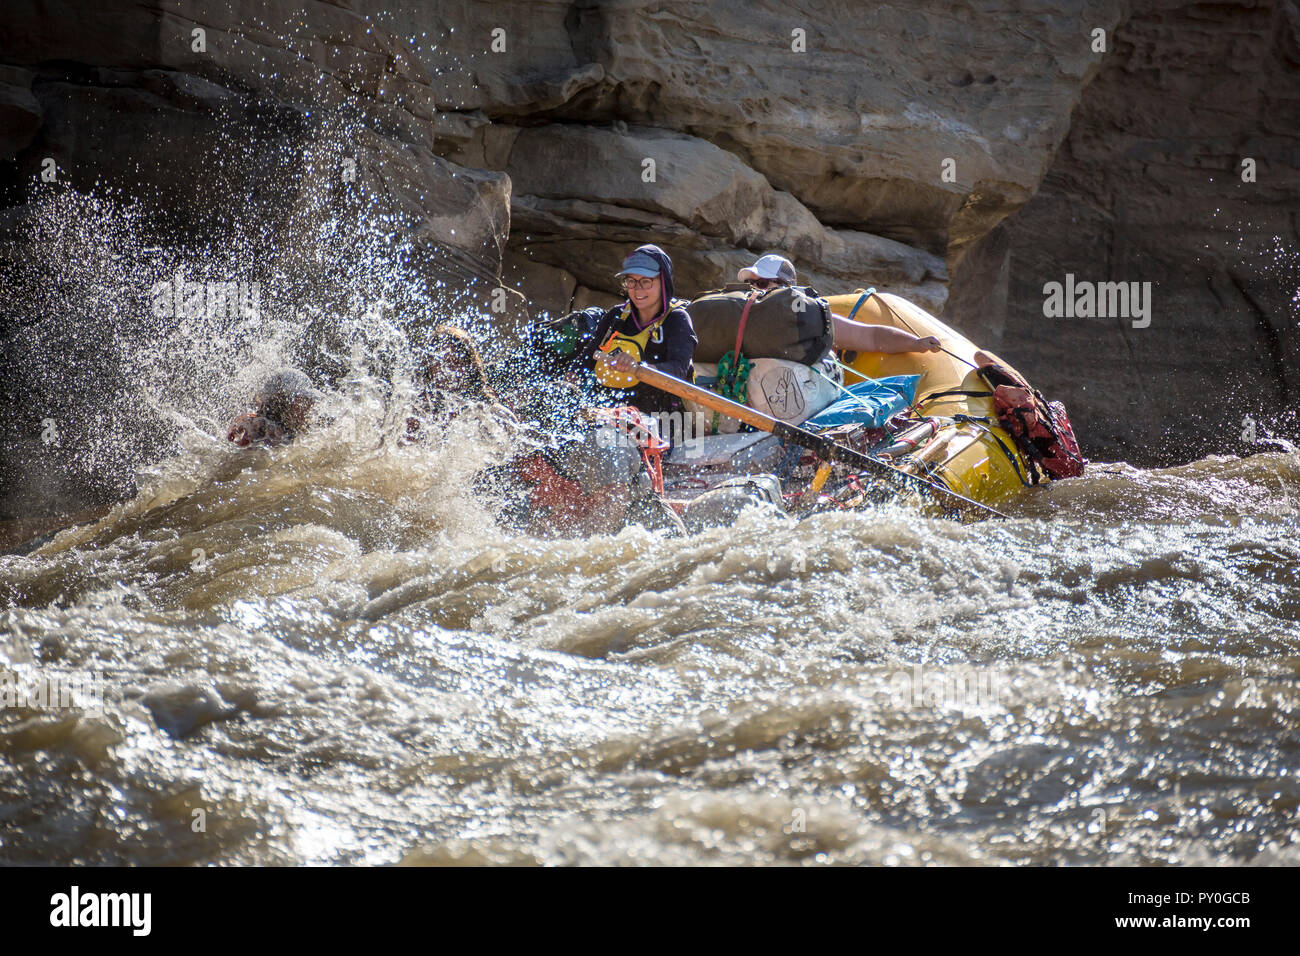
(824, 447)
(702, 396)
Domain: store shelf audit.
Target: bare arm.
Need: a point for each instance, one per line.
(856, 337)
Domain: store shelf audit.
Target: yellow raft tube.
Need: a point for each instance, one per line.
(977, 459)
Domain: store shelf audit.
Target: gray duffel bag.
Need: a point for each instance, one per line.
(789, 323)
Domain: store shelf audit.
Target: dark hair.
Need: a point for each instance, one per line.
(277, 407)
(281, 394)
(456, 345)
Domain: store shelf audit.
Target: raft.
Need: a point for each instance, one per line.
(952, 437)
(974, 458)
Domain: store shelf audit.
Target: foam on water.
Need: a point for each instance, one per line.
(338, 684)
(331, 652)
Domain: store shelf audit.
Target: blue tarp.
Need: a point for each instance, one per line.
(875, 402)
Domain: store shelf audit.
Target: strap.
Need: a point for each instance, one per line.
(641, 337)
(735, 378)
(862, 298)
(965, 393)
(744, 317)
(852, 354)
(997, 375)
(867, 378)
(857, 398)
(987, 425)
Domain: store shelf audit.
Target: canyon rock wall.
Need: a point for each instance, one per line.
(1182, 170)
(868, 143)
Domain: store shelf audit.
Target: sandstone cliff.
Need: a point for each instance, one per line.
(1182, 169)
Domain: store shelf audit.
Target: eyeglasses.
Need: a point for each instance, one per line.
(763, 283)
(640, 282)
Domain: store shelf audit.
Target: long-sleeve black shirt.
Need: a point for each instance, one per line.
(672, 354)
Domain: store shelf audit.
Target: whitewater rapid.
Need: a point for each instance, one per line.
(330, 653)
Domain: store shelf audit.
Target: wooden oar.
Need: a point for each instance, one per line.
(825, 449)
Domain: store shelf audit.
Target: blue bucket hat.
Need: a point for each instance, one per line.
(640, 264)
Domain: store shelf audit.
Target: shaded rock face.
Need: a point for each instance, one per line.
(119, 97)
(1149, 187)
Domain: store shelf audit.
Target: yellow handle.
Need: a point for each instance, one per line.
(610, 377)
(819, 479)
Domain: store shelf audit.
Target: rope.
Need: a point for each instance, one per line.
(857, 398)
(733, 381)
(945, 396)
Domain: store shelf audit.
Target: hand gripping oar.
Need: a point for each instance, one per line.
(825, 448)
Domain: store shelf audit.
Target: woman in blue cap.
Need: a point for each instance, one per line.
(586, 484)
(648, 327)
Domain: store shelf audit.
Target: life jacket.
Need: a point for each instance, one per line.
(634, 345)
(1041, 429)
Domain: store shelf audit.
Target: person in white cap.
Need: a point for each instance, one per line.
(769, 271)
(774, 270)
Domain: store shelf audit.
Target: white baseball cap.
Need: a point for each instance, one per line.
(769, 267)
